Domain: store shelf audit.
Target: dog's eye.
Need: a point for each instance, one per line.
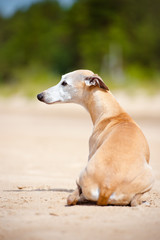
(64, 83)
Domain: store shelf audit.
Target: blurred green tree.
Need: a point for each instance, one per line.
(90, 34)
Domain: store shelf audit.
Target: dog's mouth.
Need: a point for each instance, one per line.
(41, 97)
(52, 102)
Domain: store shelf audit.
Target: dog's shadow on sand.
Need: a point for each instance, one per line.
(24, 189)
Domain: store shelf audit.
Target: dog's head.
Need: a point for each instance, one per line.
(72, 86)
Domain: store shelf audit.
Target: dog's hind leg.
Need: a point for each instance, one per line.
(136, 200)
(74, 196)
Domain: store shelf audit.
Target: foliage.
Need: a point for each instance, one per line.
(116, 38)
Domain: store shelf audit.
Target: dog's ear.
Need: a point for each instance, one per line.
(96, 81)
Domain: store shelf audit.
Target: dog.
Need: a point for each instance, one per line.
(118, 171)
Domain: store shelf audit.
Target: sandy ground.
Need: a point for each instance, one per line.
(42, 151)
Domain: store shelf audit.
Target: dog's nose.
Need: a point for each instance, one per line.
(40, 96)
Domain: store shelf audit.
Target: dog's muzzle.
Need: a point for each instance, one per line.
(40, 96)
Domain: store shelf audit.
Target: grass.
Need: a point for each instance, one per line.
(29, 82)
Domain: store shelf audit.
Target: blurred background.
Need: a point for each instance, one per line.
(42, 39)
(43, 148)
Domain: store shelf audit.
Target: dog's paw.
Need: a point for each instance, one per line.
(72, 200)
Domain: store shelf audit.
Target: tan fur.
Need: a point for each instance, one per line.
(118, 153)
(118, 170)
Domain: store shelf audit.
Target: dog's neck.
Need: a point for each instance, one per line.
(101, 105)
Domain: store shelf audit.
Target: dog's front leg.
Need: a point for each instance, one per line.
(74, 196)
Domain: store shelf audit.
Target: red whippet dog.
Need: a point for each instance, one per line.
(118, 170)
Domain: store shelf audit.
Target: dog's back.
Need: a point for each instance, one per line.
(119, 157)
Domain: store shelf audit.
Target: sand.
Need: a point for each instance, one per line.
(42, 151)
